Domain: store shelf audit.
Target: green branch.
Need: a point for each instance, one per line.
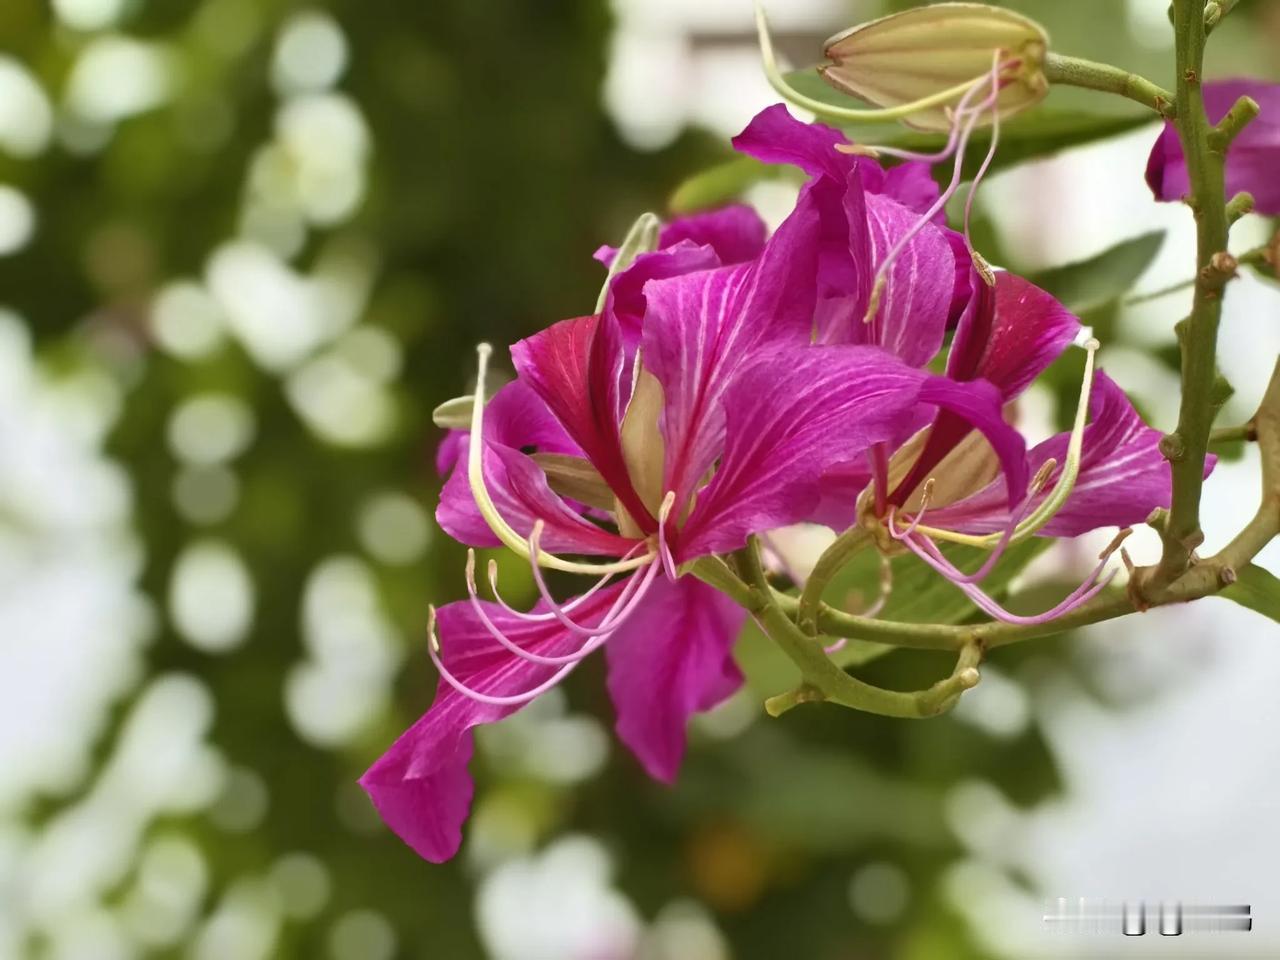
(1204, 148)
(823, 680)
(1075, 72)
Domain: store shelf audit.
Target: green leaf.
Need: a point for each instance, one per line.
(1095, 282)
(1258, 589)
(1066, 118)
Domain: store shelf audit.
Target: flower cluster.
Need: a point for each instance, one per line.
(730, 384)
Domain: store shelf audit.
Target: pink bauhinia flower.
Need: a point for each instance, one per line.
(1107, 472)
(693, 411)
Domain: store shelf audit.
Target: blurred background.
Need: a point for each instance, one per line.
(246, 246)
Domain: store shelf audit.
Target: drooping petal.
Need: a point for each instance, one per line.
(792, 415)
(962, 407)
(701, 328)
(1009, 335)
(1252, 159)
(420, 786)
(576, 367)
(1123, 476)
(671, 659)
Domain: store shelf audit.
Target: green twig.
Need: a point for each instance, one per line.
(823, 680)
(1199, 332)
(828, 565)
(1075, 72)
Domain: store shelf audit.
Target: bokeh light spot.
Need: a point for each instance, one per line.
(393, 528)
(211, 596)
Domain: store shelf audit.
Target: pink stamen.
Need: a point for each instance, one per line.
(556, 609)
(960, 113)
(433, 651)
(622, 609)
(664, 551)
(954, 573)
(541, 617)
(968, 120)
(991, 152)
(929, 552)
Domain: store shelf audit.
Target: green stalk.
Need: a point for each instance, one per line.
(1076, 72)
(1205, 149)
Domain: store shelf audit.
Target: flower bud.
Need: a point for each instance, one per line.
(920, 54)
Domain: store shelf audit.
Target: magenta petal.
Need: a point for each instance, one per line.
(980, 405)
(774, 136)
(1123, 475)
(449, 450)
(672, 658)
(825, 406)
(912, 185)
(576, 367)
(626, 301)
(701, 328)
(736, 233)
(517, 420)
(420, 786)
(1252, 160)
(1010, 335)
(916, 301)
(522, 497)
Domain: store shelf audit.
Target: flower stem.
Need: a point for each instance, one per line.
(1205, 150)
(828, 565)
(1075, 72)
(824, 681)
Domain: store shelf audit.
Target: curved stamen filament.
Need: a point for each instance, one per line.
(433, 651)
(982, 171)
(484, 502)
(968, 121)
(557, 611)
(540, 617)
(962, 110)
(1050, 506)
(928, 551)
(664, 551)
(954, 573)
(622, 609)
